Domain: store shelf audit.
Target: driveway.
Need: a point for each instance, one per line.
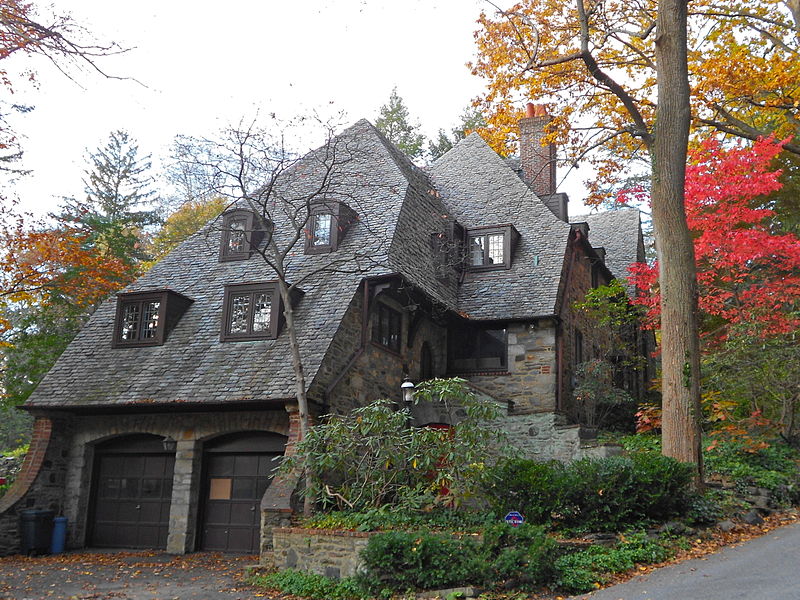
(762, 568)
(126, 576)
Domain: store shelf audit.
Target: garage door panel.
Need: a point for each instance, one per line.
(242, 514)
(131, 510)
(246, 465)
(218, 512)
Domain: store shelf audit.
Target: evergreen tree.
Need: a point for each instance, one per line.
(118, 205)
(471, 120)
(394, 123)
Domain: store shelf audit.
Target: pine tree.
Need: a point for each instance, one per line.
(395, 125)
(471, 120)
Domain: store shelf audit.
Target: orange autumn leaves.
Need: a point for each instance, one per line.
(37, 261)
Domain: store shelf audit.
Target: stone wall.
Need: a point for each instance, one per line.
(546, 436)
(325, 552)
(530, 382)
(40, 483)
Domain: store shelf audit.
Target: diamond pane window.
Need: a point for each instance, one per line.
(321, 229)
(146, 318)
(250, 312)
(242, 232)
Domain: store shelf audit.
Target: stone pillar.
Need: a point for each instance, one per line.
(185, 497)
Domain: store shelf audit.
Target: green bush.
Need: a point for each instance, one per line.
(533, 488)
(310, 585)
(774, 467)
(408, 561)
(582, 570)
(523, 553)
(608, 494)
(389, 518)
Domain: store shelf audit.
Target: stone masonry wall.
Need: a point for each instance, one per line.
(40, 483)
(531, 378)
(189, 430)
(331, 553)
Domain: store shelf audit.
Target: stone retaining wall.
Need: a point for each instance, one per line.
(325, 552)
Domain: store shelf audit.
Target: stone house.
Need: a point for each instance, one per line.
(158, 426)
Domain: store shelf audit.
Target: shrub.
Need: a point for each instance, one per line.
(523, 553)
(533, 488)
(407, 561)
(581, 571)
(607, 494)
(773, 467)
(310, 585)
(389, 518)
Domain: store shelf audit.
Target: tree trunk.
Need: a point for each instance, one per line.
(679, 334)
(299, 379)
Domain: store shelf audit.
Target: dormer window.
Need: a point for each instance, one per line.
(491, 248)
(252, 312)
(242, 232)
(146, 318)
(327, 224)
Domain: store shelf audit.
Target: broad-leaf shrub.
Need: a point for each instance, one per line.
(371, 457)
(312, 586)
(524, 554)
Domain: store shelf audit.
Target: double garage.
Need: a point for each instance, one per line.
(149, 491)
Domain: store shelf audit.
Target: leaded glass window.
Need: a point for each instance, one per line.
(491, 248)
(237, 236)
(387, 327)
(143, 318)
(139, 321)
(321, 229)
(251, 312)
(496, 247)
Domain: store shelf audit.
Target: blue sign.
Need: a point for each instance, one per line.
(514, 519)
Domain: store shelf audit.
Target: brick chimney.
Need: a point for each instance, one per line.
(538, 162)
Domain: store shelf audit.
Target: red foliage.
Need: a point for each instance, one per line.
(746, 272)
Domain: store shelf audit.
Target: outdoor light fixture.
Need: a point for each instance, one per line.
(408, 391)
(169, 444)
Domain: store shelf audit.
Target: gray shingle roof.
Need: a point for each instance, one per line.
(619, 232)
(481, 189)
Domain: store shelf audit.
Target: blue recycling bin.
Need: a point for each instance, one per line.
(59, 535)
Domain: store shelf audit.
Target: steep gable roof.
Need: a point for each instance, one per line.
(193, 366)
(480, 189)
(620, 233)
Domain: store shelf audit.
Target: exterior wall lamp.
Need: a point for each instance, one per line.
(407, 387)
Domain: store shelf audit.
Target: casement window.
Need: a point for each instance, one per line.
(251, 312)
(326, 227)
(491, 247)
(242, 232)
(146, 318)
(473, 348)
(578, 347)
(387, 327)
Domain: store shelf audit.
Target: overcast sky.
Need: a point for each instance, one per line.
(195, 66)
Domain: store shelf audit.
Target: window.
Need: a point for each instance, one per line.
(251, 312)
(327, 225)
(491, 247)
(242, 232)
(145, 318)
(578, 347)
(387, 327)
(474, 349)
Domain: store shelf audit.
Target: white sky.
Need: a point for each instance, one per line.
(205, 64)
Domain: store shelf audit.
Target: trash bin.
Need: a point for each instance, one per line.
(59, 535)
(36, 529)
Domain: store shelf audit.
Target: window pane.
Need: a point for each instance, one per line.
(150, 320)
(492, 349)
(262, 309)
(496, 249)
(130, 321)
(321, 229)
(237, 236)
(476, 245)
(240, 308)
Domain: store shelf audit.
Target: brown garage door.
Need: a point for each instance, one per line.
(238, 470)
(132, 493)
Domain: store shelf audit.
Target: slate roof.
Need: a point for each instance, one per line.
(193, 365)
(399, 206)
(481, 189)
(620, 233)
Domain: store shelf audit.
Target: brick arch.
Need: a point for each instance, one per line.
(31, 465)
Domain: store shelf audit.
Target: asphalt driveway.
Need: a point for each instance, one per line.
(126, 576)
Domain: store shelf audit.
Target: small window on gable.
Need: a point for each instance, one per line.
(242, 232)
(491, 247)
(387, 326)
(326, 227)
(252, 311)
(146, 318)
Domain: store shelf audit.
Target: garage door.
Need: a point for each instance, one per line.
(237, 472)
(132, 493)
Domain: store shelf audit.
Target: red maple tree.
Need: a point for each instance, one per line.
(748, 273)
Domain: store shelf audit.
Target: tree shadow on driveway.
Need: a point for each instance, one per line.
(127, 576)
